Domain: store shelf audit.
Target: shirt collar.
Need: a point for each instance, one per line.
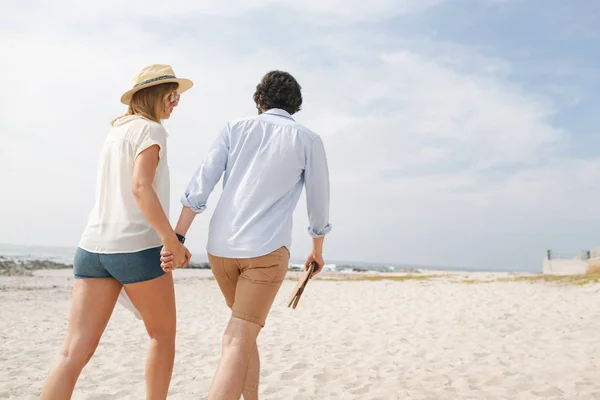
(280, 113)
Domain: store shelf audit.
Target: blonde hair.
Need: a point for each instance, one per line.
(146, 102)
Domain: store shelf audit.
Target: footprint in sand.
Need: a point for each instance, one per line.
(301, 365)
(271, 390)
(362, 390)
(321, 378)
(111, 376)
(107, 396)
(290, 375)
(550, 392)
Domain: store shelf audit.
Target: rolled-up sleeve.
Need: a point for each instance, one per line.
(208, 174)
(316, 181)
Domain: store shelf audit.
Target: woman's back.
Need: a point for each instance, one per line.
(116, 223)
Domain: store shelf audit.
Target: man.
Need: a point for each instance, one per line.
(267, 159)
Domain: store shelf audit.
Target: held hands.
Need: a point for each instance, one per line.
(174, 255)
(317, 258)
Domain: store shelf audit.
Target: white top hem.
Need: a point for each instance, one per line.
(242, 253)
(92, 249)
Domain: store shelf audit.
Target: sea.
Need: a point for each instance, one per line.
(64, 256)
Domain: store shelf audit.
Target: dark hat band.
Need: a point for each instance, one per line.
(160, 78)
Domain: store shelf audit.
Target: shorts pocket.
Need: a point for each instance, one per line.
(271, 268)
(217, 266)
(87, 265)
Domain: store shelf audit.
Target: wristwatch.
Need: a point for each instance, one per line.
(181, 238)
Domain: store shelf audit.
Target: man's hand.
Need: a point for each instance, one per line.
(170, 259)
(317, 258)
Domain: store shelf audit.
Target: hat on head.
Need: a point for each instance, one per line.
(153, 75)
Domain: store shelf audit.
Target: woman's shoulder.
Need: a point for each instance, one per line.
(138, 127)
(153, 127)
(148, 124)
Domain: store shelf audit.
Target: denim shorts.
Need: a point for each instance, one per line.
(126, 268)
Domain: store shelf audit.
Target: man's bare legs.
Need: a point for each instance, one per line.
(250, 391)
(239, 344)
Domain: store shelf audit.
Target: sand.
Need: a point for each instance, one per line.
(432, 338)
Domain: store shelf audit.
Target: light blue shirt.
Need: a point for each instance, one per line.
(267, 159)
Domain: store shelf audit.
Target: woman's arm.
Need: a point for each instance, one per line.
(144, 170)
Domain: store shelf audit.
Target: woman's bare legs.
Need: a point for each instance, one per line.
(92, 305)
(239, 342)
(155, 300)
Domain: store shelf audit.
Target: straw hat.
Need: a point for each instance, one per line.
(153, 75)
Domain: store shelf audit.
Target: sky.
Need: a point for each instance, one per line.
(459, 133)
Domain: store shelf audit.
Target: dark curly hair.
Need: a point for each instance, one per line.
(278, 89)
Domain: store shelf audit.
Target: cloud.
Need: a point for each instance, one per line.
(437, 158)
(421, 112)
(136, 10)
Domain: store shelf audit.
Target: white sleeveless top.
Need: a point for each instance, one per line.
(116, 223)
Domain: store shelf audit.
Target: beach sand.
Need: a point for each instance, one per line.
(442, 336)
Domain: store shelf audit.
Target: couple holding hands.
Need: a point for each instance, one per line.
(128, 244)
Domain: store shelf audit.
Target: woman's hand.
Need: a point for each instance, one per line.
(175, 255)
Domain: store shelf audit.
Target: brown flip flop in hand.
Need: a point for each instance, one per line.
(299, 289)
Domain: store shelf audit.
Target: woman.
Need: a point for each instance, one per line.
(120, 246)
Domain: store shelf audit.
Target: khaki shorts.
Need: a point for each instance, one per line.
(251, 284)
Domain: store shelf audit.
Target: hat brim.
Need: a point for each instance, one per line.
(184, 85)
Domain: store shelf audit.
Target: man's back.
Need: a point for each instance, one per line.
(266, 160)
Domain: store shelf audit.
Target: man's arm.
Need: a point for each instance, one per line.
(316, 181)
(200, 187)
(206, 177)
(185, 221)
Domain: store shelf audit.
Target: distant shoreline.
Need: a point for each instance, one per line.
(10, 266)
(24, 267)
(33, 257)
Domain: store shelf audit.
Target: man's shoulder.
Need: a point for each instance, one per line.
(242, 123)
(308, 132)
